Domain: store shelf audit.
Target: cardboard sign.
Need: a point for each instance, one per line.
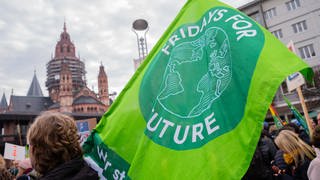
(294, 81)
(14, 152)
(84, 128)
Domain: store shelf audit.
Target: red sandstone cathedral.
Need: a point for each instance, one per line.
(68, 93)
(67, 85)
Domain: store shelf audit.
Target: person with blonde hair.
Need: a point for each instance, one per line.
(55, 151)
(314, 167)
(297, 154)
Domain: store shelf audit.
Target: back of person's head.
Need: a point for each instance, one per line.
(315, 139)
(292, 126)
(272, 129)
(290, 143)
(53, 141)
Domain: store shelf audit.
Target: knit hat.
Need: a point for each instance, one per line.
(25, 164)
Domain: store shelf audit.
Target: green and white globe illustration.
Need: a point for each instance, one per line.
(187, 82)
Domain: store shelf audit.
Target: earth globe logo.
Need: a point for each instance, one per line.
(179, 83)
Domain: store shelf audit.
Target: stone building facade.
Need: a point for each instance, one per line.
(296, 22)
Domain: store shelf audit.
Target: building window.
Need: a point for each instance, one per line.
(270, 13)
(256, 16)
(277, 33)
(300, 26)
(307, 51)
(293, 4)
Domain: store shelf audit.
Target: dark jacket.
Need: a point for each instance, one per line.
(268, 149)
(279, 161)
(76, 169)
(300, 173)
(258, 169)
(282, 165)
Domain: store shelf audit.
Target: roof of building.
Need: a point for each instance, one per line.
(86, 100)
(3, 103)
(250, 3)
(102, 72)
(54, 106)
(35, 89)
(29, 104)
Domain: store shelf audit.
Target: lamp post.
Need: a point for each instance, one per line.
(140, 28)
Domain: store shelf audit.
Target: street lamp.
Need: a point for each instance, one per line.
(140, 28)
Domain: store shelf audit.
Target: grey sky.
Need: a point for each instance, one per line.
(100, 30)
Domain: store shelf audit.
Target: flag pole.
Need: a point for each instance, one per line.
(304, 108)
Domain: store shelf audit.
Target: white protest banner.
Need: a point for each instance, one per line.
(294, 81)
(14, 152)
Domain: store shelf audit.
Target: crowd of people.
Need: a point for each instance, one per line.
(288, 153)
(55, 153)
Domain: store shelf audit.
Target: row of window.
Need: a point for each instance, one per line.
(89, 109)
(305, 51)
(291, 5)
(296, 27)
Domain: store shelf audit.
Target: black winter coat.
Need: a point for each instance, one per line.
(76, 169)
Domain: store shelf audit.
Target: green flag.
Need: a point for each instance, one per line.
(297, 115)
(195, 107)
(277, 120)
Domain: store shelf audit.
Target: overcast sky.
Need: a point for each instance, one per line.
(100, 30)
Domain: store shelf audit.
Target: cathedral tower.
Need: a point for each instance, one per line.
(65, 89)
(103, 86)
(64, 53)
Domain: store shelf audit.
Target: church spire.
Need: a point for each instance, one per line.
(3, 103)
(64, 27)
(35, 89)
